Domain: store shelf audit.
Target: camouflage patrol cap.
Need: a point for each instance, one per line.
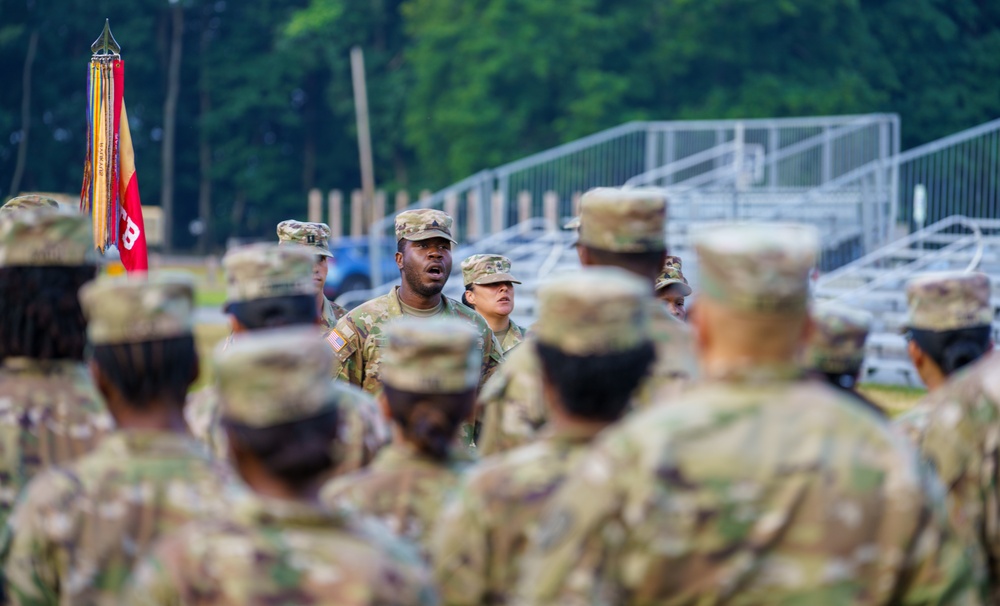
(487, 269)
(423, 224)
(28, 202)
(597, 310)
(135, 309)
(757, 267)
(263, 270)
(315, 235)
(46, 237)
(949, 301)
(672, 274)
(275, 376)
(837, 345)
(436, 356)
(622, 220)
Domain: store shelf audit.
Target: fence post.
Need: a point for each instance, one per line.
(315, 211)
(357, 212)
(424, 194)
(402, 201)
(335, 217)
(472, 215)
(576, 203)
(379, 210)
(523, 206)
(451, 208)
(550, 208)
(496, 212)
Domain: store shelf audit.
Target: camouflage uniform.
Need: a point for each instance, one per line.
(317, 236)
(510, 405)
(754, 487)
(404, 487)
(260, 271)
(480, 537)
(358, 338)
(490, 269)
(280, 551)
(76, 533)
(29, 202)
(837, 345)
(49, 409)
(671, 275)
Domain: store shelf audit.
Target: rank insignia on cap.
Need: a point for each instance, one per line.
(435, 224)
(311, 239)
(336, 340)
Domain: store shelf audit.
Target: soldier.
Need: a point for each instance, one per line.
(594, 347)
(50, 410)
(489, 289)
(672, 287)
(618, 228)
(423, 245)
(949, 324)
(316, 236)
(271, 286)
(277, 545)
(836, 350)
(429, 374)
(79, 528)
(29, 202)
(755, 486)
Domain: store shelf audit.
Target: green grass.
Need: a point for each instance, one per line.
(894, 399)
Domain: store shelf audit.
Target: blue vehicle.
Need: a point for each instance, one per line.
(350, 267)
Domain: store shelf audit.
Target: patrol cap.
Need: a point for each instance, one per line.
(275, 376)
(43, 236)
(756, 267)
(423, 224)
(28, 202)
(596, 310)
(314, 235)
(431, 356)
(671, 275)
(837, 345)
(263, 270)
(948, 301)
(487, 269)
(622, 220)
(136, 309)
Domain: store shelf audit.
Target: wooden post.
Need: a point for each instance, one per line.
(357, 212)
(335, 217)
(496, 212)
(364, 134)
(550, 209)
(523, 206)
(379, 207)
(402, 201)
(451, 207)
(315, 212)
(472, 215)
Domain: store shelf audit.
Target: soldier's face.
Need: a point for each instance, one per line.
(426, 265)
(320, 269)
(495, 299)
(674, 303)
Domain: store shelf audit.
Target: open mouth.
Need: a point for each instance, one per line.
(503, 300)
(435, 271)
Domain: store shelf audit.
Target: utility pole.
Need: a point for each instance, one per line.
(364, 134)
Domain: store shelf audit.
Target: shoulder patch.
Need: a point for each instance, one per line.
(336, 340)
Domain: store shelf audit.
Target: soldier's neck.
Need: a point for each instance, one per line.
(417, 301)
(498, 324)
(156, 415)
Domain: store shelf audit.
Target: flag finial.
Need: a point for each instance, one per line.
(106, 43)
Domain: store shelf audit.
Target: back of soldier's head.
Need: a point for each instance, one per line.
(592, 336)
(623, 228)
(46, 255)
(141, 330)
(278, 403)
(270, 285)
(837, 345)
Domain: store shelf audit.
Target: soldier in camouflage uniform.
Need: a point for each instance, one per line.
(672, 287)
(268, 286)
(277, 545)
(489, 289)
(50, 410)
(29, 202)
(429, 372)
(593, 342)
(619, 228)
(316, 236)
(836, 350)
(79, 528)
(755, 486)
(423, 240)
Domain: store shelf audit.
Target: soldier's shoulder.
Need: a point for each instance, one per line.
(464, 312)
(370, 313)
(497, 474)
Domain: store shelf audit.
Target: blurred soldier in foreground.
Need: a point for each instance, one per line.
(672, 287)
(51, 412)
(956, 426)
(79, 528)
(316, 236)
(836, 350)
(277, 545)
(949, 324)
(618, 228)
(593, 342)
(423, 243)
(756, 486)
(270, 286)
(429, 373)
(489, 289)
(29, 202)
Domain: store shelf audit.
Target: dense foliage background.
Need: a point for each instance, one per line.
(264, 108)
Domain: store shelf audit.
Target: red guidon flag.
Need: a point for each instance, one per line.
(131, 230)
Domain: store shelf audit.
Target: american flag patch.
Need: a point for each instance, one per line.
(336, 340)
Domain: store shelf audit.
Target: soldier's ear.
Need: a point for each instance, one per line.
(399, 260)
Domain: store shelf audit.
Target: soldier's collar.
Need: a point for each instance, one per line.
(754, 373)
(142, 442)
(263, 511)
